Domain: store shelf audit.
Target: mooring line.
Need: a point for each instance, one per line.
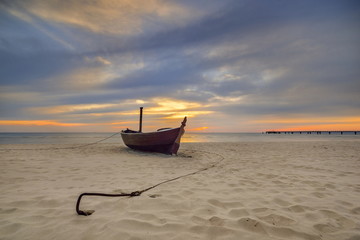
(59, 148)
(132, 194)
(138, 193)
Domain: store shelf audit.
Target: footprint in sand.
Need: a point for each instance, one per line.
(333, 222)
(7, 210)
(356, 210)
(11, 228)
(299, 208)
(239, 212)
(278, 220)
(281, 202)
(155, 195)
(252, 225)
(216, 221)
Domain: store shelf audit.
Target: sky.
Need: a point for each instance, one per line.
(229, 66)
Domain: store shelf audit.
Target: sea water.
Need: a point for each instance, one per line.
(86, 138)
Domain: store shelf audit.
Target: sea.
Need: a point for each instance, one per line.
(89, 138)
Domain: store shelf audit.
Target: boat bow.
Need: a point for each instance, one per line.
(164, 140)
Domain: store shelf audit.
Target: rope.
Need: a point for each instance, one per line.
(132, 194)
(138, 193)
(59, 148)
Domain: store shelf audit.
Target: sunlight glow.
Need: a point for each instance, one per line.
(175, 109)
(322, 127)
(41, 123)
(305, 120)
(199, 129)
(167, 104)
(190, 114)
(314, 124)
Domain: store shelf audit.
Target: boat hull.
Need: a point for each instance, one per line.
(162, 141)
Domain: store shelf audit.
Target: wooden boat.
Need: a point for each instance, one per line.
(164, 140)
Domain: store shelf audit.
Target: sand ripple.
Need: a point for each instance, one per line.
(275, 190)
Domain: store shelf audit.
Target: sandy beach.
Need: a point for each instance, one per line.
(257, 190)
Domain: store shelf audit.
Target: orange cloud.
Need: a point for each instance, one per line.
(60, 124)
(175, 109)
(199, 129)
(119, 123)
(315, 124)
(168, 104)
(322, 127)
(303, 120)
(41, 123)
(189, 114)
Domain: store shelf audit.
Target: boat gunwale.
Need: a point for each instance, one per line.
(137, 133)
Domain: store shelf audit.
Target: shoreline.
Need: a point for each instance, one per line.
(261, 190)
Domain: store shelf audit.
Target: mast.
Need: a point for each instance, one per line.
(140, 122)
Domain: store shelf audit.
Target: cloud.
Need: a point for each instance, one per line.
(34, 35)
(98, 59)
(40, 123)
(224, 64)
(301, 123)
(82, 79)
(125, 17)
(70, 108)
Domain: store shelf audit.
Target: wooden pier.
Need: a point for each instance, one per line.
(315, 132)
